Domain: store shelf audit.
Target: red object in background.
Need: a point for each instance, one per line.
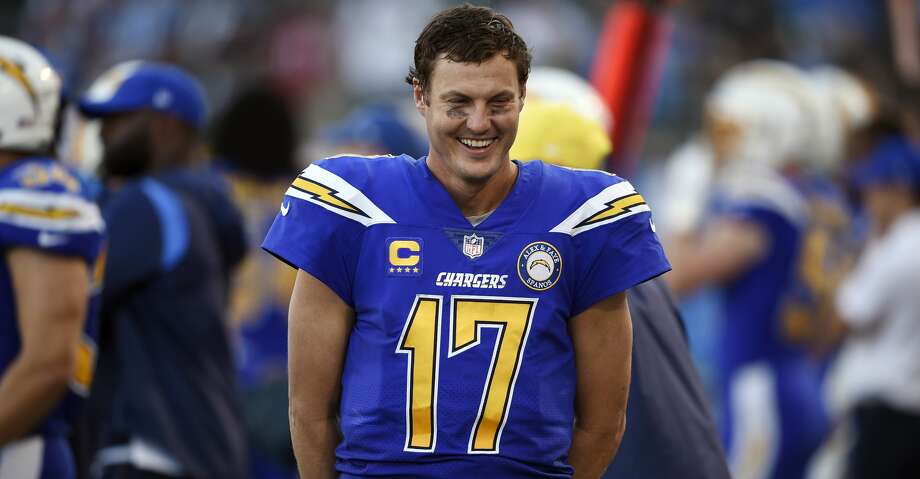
(631, 50)
(297, 49)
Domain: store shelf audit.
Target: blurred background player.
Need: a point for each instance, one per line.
(255, 145)
(166, 402)
(873, 387)
(51, 235)
(840, 122)
(564, 122)
(759, 123)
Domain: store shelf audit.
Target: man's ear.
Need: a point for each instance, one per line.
(421, 103)
(523, 97)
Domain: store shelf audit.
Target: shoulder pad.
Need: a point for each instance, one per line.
(318, 185)
(617, 200)
(45, 195)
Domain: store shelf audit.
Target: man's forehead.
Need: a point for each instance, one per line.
(491, 76)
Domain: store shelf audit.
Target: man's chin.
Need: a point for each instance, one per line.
(479, 170)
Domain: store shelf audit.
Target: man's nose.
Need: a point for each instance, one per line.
(479, 121)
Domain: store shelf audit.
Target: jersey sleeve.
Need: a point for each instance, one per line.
(862, 296)
(883, 277)
(148, 233)
(617, 247)
(44, 206)
(208, 188)
(320, 225)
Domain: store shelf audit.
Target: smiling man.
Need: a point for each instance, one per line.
(461, 313)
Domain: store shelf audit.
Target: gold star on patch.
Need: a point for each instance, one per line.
(415, 270)
(399, 270)
(392, 269)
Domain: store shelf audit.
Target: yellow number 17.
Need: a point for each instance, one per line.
(420, 340)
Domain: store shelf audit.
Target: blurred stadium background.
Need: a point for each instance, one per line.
(339, 67)
(329, 56)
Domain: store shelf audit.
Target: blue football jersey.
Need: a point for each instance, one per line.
(46, 206)
(460, 361)
(772, 417)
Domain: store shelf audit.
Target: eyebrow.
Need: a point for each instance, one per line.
(452, 93)
(457, 94)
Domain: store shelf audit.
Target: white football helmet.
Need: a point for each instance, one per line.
(774, 108)
(847, 104)
(30, 94)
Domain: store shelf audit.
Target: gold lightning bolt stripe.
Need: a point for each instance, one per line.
(17, 74)
(614, 208)
(54, 214)
(326, 195)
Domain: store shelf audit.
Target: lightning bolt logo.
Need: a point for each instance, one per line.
(614, 208)
(326, 195)
(543, 263)
(15, 71)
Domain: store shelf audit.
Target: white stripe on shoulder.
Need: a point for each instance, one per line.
(59, 212)
(328, 190)
(22, 459)
(356, 155)
(766, 189)
(612, 204)
(590, 170)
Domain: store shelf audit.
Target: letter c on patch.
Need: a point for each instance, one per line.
(404, 253)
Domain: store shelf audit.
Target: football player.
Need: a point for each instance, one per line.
(461, 313)
(761, 122)
(50, 240)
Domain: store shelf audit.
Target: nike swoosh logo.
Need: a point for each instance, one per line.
(48, 240)
(285, 207)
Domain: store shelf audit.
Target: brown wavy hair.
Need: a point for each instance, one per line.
(468, 34)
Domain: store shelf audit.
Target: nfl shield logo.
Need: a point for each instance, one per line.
(473, 245)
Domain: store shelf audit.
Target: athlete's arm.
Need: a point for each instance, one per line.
(319, 325)
(723, 251)
(51, 298)
(602, 337)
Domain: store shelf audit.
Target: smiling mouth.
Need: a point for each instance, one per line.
(476, 143)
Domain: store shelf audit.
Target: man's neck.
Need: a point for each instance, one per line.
(476, 199)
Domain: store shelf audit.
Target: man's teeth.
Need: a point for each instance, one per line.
(476, 143)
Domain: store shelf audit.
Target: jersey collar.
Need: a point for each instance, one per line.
(444, 211)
